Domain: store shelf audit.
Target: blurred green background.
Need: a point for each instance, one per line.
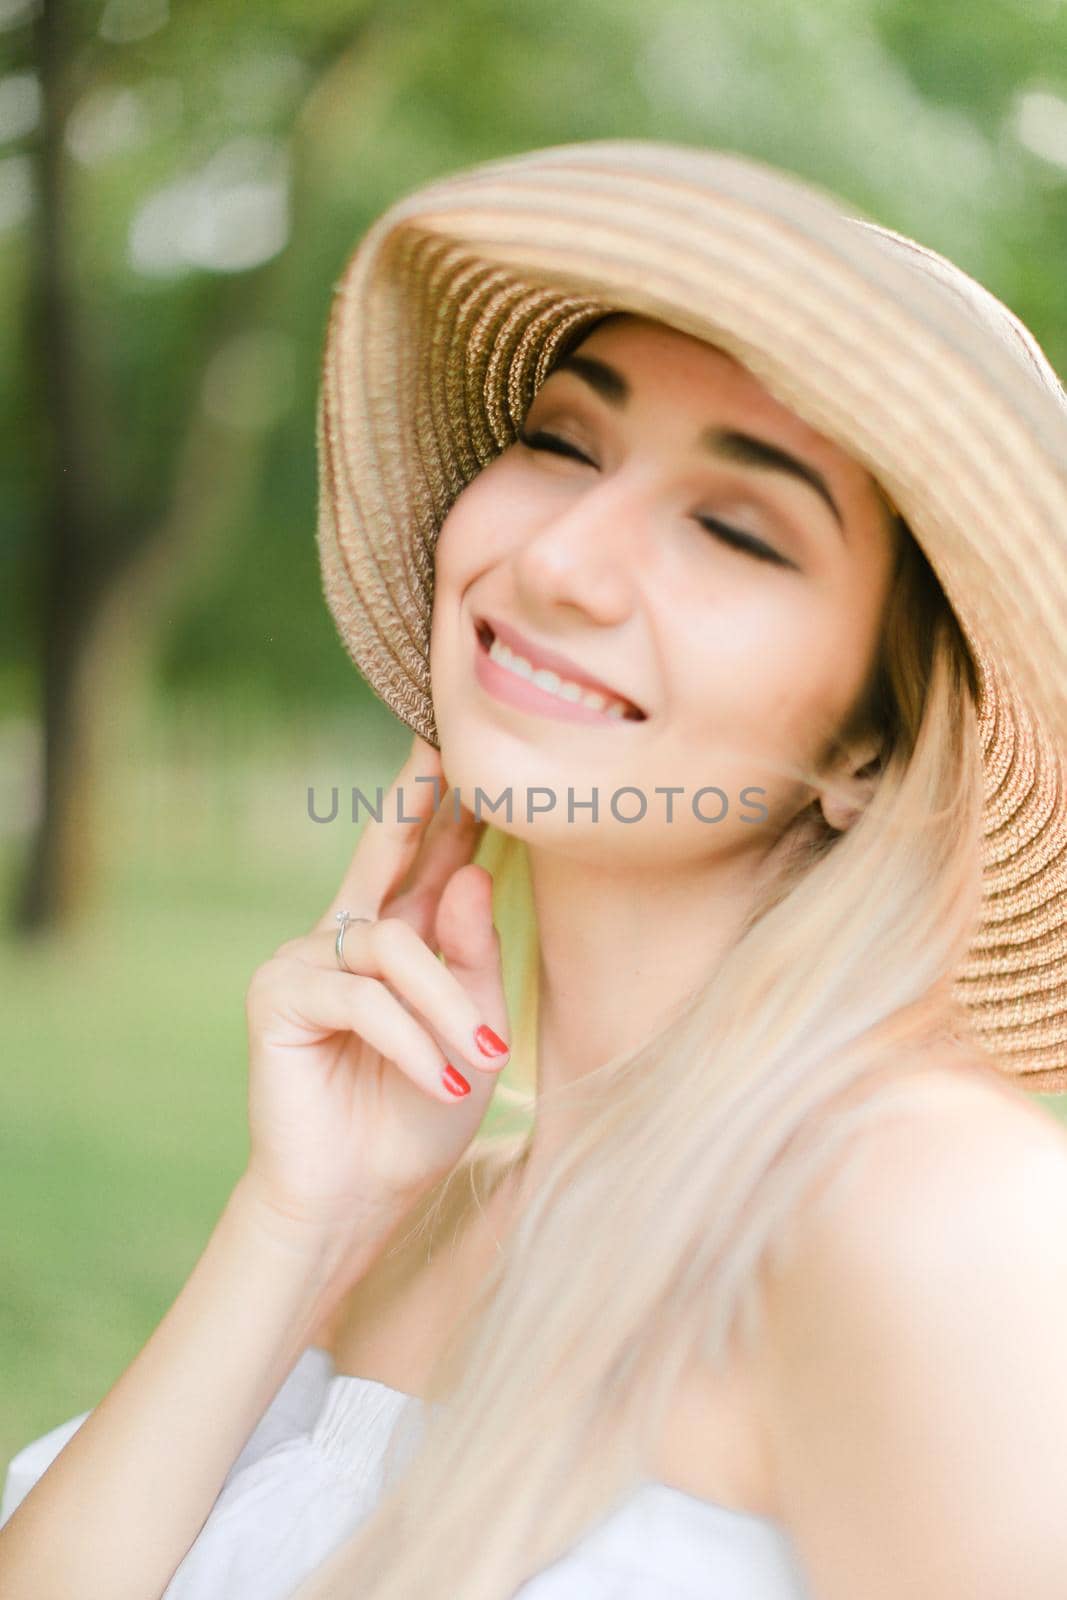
(178, 192)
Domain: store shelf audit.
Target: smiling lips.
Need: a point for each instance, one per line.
(512, 668)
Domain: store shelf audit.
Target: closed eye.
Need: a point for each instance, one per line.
(540, 439)
(743, 541)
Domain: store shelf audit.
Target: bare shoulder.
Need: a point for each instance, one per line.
(950, 1141)
(911, 1368)
(941, 1168)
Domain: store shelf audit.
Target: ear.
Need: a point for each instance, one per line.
(850, 784)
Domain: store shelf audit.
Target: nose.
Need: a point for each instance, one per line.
(585, 555)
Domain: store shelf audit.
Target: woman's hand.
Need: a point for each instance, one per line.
(351, 1116)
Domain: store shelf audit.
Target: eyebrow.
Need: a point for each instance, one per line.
(728, 443)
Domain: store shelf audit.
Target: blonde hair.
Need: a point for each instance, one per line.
(641, 1247)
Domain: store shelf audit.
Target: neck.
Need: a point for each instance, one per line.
(619, 951)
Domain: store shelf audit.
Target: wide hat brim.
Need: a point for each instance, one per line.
(448, 316)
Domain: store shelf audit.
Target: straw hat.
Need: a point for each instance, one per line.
(451, 309)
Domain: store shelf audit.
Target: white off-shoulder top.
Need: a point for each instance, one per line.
(311, 1471)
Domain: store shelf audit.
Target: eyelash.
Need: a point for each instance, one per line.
(540, 439)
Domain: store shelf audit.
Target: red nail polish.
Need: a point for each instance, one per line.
(454, 1081)
(488, 1042)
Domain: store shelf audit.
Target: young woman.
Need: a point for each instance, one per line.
(749, 843)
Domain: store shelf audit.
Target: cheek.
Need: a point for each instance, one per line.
(778, 662)
(482, 525)
(451, 550)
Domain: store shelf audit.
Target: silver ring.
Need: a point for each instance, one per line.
(343, 919)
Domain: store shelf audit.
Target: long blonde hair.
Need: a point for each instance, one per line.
(640, 1248)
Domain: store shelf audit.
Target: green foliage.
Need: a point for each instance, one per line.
(905, 109)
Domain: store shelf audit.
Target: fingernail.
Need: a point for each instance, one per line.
(454, 1081)
(488, 1042)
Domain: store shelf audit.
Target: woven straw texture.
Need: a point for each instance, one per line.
(448, 316)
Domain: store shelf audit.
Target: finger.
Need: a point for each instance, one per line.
(326, 1002)
(391, 951)
(386, 849)
(470, 944)
(450, 841)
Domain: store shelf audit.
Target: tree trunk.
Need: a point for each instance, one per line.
(69, 576)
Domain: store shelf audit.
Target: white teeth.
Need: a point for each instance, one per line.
(562, 688)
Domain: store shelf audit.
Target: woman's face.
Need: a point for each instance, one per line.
(730, 591)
